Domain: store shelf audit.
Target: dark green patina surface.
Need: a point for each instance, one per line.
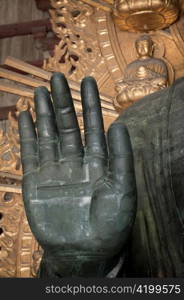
(81, 201)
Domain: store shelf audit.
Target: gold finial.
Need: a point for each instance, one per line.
(145, 15)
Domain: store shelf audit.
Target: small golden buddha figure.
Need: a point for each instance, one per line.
(142, 77)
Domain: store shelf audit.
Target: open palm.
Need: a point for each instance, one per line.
(80, 199)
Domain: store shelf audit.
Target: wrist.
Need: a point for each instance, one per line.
(80, 265)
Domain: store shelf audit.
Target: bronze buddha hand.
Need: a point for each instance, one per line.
(80, 199)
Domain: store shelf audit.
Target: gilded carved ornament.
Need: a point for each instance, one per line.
(77, 54)
(145, 15)
(20, 254)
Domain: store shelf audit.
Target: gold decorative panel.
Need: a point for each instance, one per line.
(109, 1)
(20, 254)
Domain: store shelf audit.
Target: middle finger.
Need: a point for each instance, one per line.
(68, 128)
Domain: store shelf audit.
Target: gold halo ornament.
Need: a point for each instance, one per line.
(145, 15)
